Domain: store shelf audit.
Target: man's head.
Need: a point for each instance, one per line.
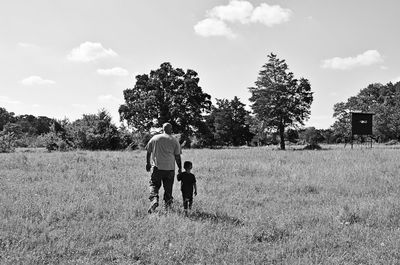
(167, 128)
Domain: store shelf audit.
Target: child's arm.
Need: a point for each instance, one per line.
(195, 189)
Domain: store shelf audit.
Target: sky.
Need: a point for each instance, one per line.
(63, 59)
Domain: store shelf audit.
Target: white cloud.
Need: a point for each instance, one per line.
(7, 100)
(235, 11)
(240, 12)
(116, 71)
(271, 15)
(90, 51)
(213, 27)
(108, 99)
(36, 80)
(365, 59)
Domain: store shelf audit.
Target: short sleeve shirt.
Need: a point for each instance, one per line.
(164, 148)
(187, 181)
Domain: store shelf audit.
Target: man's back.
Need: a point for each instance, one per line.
(164, 148)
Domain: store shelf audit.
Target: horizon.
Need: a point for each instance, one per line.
(66, 59)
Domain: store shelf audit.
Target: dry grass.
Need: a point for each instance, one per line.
(255, 206)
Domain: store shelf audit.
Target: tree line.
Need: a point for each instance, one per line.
(280, 103)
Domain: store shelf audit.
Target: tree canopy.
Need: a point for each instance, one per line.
(5, 117)
(230, 122)
(166, 95)
(278, 99)
(95, 132)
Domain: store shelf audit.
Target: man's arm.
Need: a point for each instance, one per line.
(195, 189)
(148, 165)
(178, 163)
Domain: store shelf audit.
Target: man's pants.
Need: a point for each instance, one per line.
(166, 177)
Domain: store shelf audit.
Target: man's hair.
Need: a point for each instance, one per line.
(187, 164)
(167, 128)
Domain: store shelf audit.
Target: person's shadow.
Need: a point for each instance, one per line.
(198, 215)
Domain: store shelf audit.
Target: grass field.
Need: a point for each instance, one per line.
(255, 206)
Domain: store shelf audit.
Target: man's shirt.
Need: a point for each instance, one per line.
(164, 148)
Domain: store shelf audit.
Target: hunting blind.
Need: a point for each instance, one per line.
(361, 124)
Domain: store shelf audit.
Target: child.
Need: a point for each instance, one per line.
(188, 185)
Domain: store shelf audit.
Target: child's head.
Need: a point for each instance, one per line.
(187, 165)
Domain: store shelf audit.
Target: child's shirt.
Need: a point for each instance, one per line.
(187, 181)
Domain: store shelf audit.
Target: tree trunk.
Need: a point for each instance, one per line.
(282, 135)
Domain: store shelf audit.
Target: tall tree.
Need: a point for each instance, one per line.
(166, 95)
(279, 100)
(230, 122)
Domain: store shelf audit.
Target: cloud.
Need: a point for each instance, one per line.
(271, 15)
(116, 71)
(108, 99)
(213, 27)
(235, 11)
(90, 51)
(36, 80)
(7, 100)
(243, 12)
(367, 58)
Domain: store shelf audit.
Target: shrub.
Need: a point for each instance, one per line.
(313, 146)
(54, 142)
(7, 142)
(392, 142)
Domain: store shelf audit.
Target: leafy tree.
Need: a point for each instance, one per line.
(59, 138)
(5, 117)
(279, 100)
(311, 135)
(205, 135)
(166, 95)
(95, 132)
(230, 122)
(292, 135)
(328, 135)
(27, 123)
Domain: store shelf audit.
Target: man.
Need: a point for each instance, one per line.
(163, 150)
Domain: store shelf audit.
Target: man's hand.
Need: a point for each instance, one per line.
(195, 193)
(148, 167)
(179, 170)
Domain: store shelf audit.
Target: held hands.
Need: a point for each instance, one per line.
(148, 167)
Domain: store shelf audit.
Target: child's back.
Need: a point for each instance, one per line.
(188, 185)
(187, 180)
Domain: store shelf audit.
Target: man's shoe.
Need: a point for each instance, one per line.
(152, 207)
